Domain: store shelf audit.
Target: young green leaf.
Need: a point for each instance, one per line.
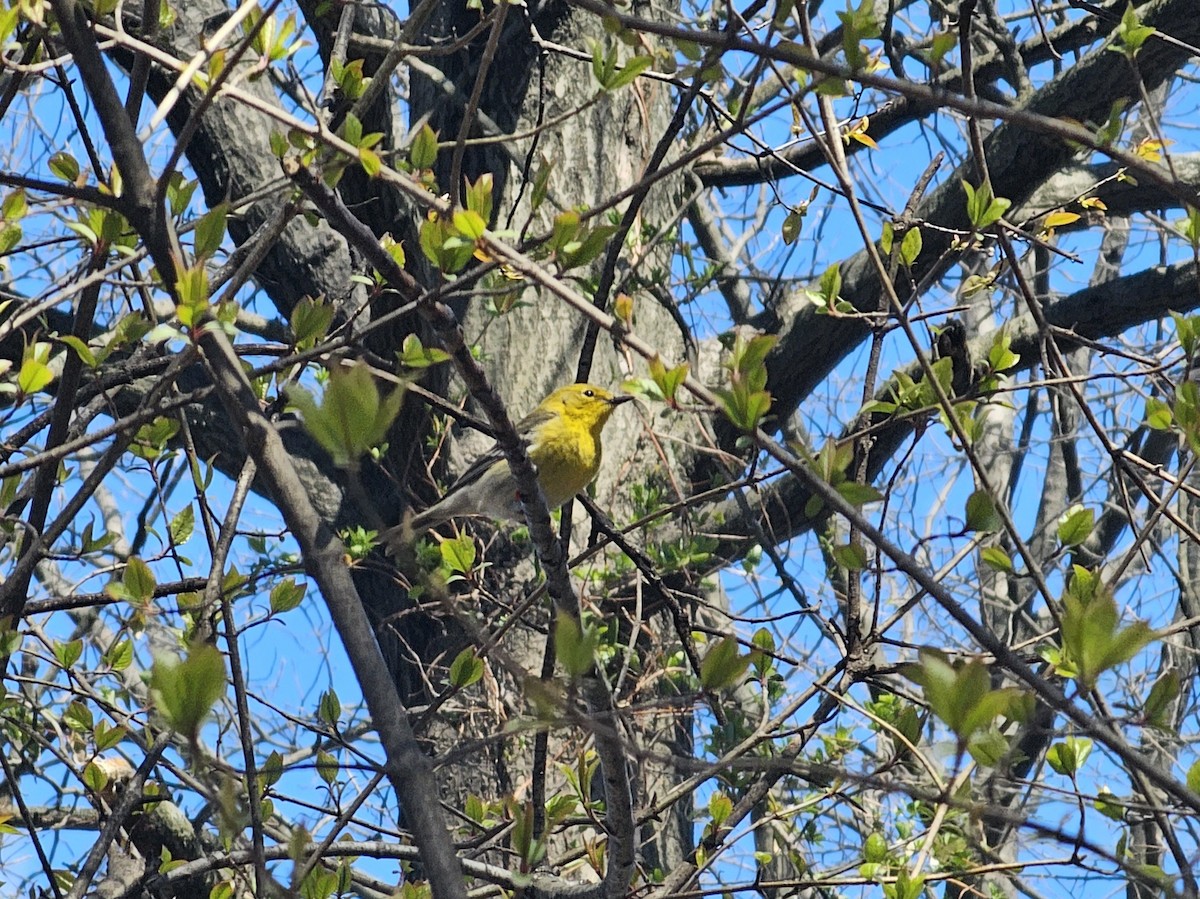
(423, 152)
(574, 644)
(982, 513)
(185, 690)
(458, 554)
(286, 595)
(1076, 525)
(466, 669)
(1068, 756)
(352, 417)
(723, 666)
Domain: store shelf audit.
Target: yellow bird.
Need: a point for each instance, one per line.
(563, 434)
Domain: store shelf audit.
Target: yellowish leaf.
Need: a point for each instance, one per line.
(1151, 149)
(1058, 219)
(859, 133)
(623, 308)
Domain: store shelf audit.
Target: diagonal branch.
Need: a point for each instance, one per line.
(408, 768)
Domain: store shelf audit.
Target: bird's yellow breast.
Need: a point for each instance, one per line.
(567, 459)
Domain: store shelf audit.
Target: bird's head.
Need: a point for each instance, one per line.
(584, 404)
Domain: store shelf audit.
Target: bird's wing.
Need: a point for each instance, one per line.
(476, 469)
(531, 422)
(525, 427)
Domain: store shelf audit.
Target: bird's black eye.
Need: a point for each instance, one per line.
(589, 393)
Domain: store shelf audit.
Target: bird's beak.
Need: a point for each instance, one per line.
(623, 398)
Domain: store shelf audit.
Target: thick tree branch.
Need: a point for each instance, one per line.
(1095, 313)
(619, 814)
(324, 555)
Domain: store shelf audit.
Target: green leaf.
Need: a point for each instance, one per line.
(210, 231)
(850, 556)
(858, 494)
(352, 418)
(68, 653)
(989, 747)
(905, 887)
(182, 525)
(910, 246)
(744, 407)
(179, 193)
(63, 165)
(78, 718)
(720, 807)
(982, 513)
(10, 236)
(423, 152)
(887, 238)
(271, 770)
(478, 196)
(329, 708)
(458, 554)
(1158, 414)
(587, 248)
(764, 643)
(107, 736)
(466, 669)
(984, 209)
(469, 223)
(943, 42)
(35, 373)
(1107, 804)
(139, 581)
(351, 130)
(668, 380)
(830, 286)
(1001, 357)
(791, 227)
(1076, 525)
(1193, 777)
(1092, 639)
(875, 849)
(996, 558)
(119, 656)
(310, 322)
(541, 183)
(14, 207)
(191, 287)
(442, 245)
(327, 769)
(286, 595)
(723, 665)
(414, 354)
(1067, 757)
(152, 437)
(1164, 692)
(858, 24)
(628, 72)
(82, 350)
(185, 690)
(1190, 227)
(603, 63)
(575, 645)
(1131, 34)
(94, 777)
(959, 693)
(750, 356)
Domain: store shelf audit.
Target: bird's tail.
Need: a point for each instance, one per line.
(399, 538)
(414, 526)
(426, 521)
